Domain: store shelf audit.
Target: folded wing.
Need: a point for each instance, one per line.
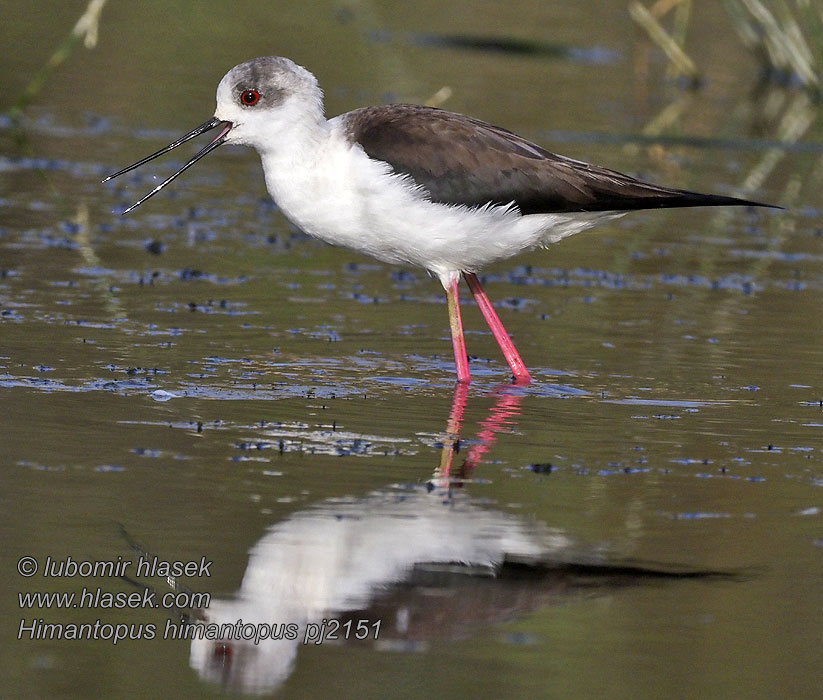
(460, 160)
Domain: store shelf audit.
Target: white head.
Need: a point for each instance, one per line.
(261, 103)
(267, 98)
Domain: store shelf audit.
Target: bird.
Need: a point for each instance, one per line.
(416, 185)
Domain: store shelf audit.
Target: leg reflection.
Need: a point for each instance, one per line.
(505, 408)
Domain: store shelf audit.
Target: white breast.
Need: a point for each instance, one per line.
(332, 190)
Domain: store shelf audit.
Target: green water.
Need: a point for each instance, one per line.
(204, 375)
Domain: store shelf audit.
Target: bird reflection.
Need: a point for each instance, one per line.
(406, 565)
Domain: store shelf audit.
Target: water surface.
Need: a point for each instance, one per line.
(199, 379)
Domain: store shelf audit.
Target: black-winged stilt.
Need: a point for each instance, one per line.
(416, 185)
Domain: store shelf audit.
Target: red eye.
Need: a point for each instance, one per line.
(249, 98)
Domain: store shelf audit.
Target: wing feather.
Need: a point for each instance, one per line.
(461, 160)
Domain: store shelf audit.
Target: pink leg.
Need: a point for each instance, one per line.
(458, 342)
(521, 374)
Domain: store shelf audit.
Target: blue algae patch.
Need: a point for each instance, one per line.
(622, 471)
(399, 381)
(40, 467)
(554, 390)
(145, 452)
(668, 403)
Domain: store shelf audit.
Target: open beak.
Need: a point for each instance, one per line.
(212, 123)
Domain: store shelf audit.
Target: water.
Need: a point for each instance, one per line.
(199, 380)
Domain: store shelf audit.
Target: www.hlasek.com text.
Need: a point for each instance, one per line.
(118, 600)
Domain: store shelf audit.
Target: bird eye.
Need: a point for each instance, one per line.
(249, 98)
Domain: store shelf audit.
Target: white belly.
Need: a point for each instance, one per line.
(356, 202)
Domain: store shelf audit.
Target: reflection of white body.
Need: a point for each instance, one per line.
(338, 556)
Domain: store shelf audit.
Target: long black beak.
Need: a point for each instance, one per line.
(225, 127)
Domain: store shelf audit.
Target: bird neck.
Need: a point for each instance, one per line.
(295, 136)
(294, 151)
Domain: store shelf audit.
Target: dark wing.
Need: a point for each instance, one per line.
(460, 160)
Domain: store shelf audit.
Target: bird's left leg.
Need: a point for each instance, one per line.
(521, 374)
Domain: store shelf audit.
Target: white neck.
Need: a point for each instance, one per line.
(299, 155)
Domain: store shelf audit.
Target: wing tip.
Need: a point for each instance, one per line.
(719, 200)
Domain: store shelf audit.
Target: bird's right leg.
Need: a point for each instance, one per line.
(458, 341)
